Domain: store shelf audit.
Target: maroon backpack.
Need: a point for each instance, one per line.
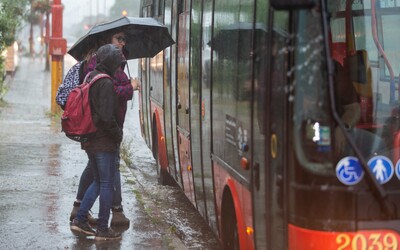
(76, 121)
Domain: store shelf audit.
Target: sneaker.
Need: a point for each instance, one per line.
(81, 227)
(119, 218)
(107, 234)
(92, 221)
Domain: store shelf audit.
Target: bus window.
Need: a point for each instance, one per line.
(231, 81)
(357, 37)
(312, 124)
(391, 45)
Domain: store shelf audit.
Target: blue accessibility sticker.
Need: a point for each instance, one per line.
(398, 169)
(382, 168)
(349, 171)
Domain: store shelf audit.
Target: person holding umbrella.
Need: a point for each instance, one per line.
(139, 37)
(102, 150)
(124, 88)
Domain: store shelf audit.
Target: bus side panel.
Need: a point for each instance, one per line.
(186, 167)
(206, 114)
(143, 102)
(183, 98)
(195, 105)
(145, 91)
(241, 197)
(156, 104)
(158, 116)
(174, 79)
(168, 98)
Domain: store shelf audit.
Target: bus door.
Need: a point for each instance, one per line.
(169, 100)
(171, 10)
(145, 118)
(183, 98)
(200, 101)
(269, 132)
(206, 114)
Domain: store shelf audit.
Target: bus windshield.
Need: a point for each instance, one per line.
(362, 44)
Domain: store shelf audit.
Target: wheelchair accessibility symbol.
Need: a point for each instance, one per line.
(382, 168)
(349, 171)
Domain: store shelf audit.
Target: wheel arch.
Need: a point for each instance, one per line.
(231, 197)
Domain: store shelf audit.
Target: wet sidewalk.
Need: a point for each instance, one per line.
(40, 170)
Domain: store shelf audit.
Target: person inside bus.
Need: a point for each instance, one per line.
(349, 109)
(124, 88)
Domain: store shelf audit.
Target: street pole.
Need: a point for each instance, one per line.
(47, 38)
(57, 50)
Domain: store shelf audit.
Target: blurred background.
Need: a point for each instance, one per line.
(78, 17)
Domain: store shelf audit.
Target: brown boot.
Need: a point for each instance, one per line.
(119, 218)
(92, 221)
(74, 211)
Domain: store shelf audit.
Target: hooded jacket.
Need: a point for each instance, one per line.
(122, 86)
(104, 102)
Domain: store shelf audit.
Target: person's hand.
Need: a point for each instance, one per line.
(135, 84)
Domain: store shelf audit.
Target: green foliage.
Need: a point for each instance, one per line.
(11, 13)
(2, 87)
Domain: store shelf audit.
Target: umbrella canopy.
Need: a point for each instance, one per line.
(234, 41)
(146, 37)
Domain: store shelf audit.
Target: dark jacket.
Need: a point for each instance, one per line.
(122, 86)
(104, 102)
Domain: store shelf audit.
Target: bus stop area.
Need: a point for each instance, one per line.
(39, 176)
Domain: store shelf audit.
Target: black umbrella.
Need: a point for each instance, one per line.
(146, 37)
(234, 41)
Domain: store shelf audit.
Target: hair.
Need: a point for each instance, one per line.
(102, 39)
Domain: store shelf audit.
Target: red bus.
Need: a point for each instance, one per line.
(279, 119)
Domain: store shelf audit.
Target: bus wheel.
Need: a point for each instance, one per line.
(229, 227)
(161, 173)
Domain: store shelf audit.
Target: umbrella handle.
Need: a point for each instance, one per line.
(133, 94)
(133, 99)
(127, 67)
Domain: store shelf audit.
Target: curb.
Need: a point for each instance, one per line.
(142, 195)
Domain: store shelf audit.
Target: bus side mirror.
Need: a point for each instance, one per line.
(292, 4)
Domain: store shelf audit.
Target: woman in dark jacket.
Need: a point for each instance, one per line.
(124, 88)
(102, 150)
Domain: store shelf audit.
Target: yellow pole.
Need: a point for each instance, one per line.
(56, 78)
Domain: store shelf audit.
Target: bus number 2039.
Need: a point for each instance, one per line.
(373, 241)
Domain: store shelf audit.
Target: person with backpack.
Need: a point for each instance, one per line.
(102, 149)
(124, 88)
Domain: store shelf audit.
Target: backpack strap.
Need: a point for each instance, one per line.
(95, 78)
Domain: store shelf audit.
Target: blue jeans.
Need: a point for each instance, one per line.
(103, 166)
(87, 179)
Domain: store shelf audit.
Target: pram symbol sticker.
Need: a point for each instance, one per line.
(398, 169)
(382, 168)
(349, 171)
